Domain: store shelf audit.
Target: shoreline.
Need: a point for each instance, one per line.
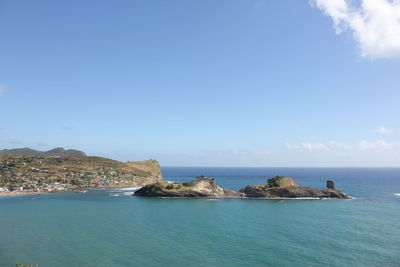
(75, 190)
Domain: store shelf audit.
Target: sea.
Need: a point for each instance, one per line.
(115, 228)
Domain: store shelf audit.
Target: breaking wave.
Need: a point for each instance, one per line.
(134, 188)
(127, 191)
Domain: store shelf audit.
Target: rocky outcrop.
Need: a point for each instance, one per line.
(202, 187)
(252, 191)
(330, 185)
(281, 181)
(276, 188)
(285, 187)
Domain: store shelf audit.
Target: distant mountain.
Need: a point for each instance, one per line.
(59, 151)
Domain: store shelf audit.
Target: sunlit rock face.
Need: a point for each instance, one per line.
(202, 187)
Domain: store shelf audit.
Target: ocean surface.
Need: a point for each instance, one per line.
(113, 228)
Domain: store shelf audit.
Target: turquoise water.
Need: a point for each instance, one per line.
(107, 228)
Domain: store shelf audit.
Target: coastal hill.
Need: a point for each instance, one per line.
(275, 188)
(59, 151)
(57, 173)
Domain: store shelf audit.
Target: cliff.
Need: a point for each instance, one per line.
(151, 167)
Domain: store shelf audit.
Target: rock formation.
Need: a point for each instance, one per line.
(284, 187)
(275, 188)
(202, 187)
(330, 185)
(281, 181)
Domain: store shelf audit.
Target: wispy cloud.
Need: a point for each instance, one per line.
(363, 145)
(378, 145)
(339, 145)
(383, 130)
(2, 89)
(375, 24)
(328, 146)
(314, 146)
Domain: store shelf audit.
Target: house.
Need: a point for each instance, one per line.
(18, 188)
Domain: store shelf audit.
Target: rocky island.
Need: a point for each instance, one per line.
(278, 187)
(30, 171)
(202, 187)
(284, 187)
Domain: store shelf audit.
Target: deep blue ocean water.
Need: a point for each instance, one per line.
(111, 228)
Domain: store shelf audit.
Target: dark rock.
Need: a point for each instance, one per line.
(284, 187)
(252, 191)
(330, 185)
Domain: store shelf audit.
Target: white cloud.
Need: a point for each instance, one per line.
(383, 130)
(243, 152)
(331, 145)
(314, 146)
(338, 146)
(378, 145)
(375, 24)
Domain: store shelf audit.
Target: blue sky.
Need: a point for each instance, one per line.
(200, 83)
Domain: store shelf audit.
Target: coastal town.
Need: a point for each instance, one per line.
(27, 174)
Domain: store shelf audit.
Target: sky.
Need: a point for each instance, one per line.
(256, 83)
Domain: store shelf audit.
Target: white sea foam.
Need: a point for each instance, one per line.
(301, 198)
(397, 194)
(214, 199)
(134, 188)
(126, 191)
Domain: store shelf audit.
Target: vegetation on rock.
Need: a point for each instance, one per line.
(281, 181)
